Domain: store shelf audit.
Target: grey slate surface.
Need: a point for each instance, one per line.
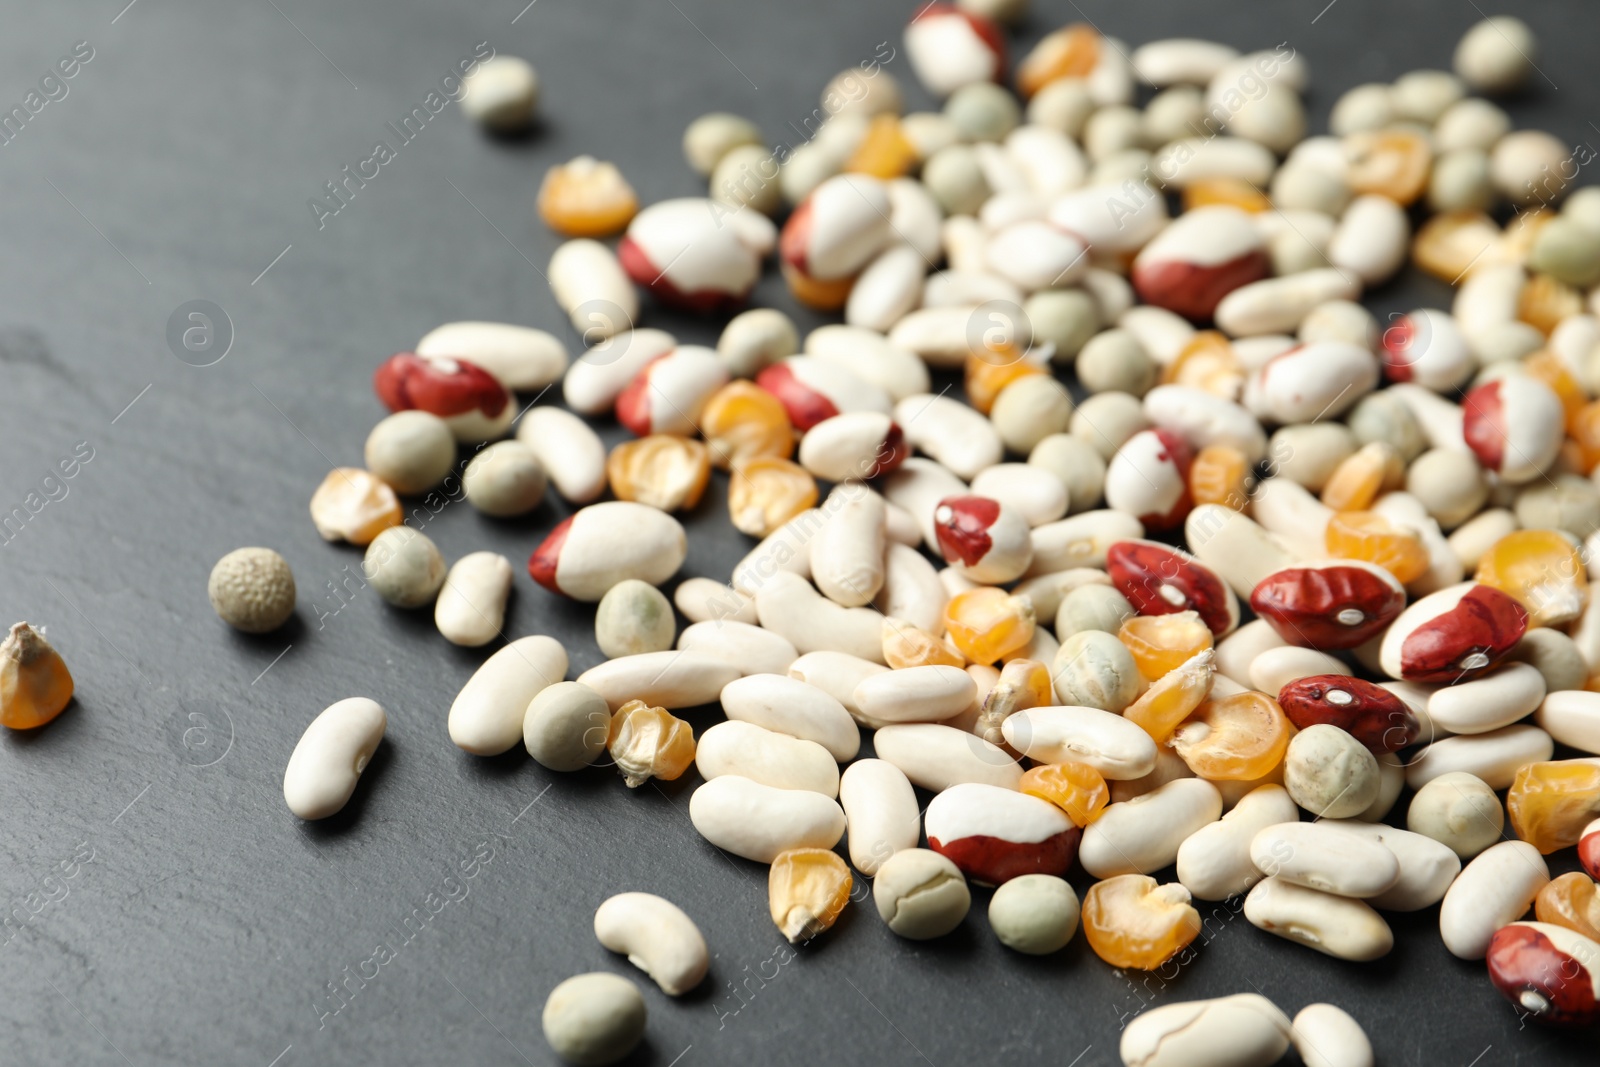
(165, 908)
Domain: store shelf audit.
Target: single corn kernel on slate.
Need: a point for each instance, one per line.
(1550, 803)
(35, 685)
(1132, 921)
(1237, 739)
(986, 623)
(662, 470)
(807, 889)
(586, 198)
(1076, 788)
(649, 743)
(353, 505)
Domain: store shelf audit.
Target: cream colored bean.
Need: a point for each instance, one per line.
(1204, 419)
(762, 755)
(1236, 652)
(920, 894)
(1327, 1036)
(748, 649)
(847, 553)
(1459, 811)
(846, 447)
(758, 822)
(1244, 1030)
(788, 605)
(790, 706)
(953, 434)
(657, 937)
(1214, 862)
(1330, 773)
(487, 716)
(662, 679)
(594, 1018)
(1426, 867)
(1494, 56)
(835, 673)
(1080, 540)
(616, 540)
(592, 288)
(1494, 757)
(472, 602)
(755, 339)
(1278, 305)
(1325, 856)
(1492, 891)
(1047, 592)
(911, 589)
(929, 693)
(1143, 835)
(1029, 410)
(570, 452)
(1287, 509)
(1572, 717)
(1277, 667)
(595, 379)
(937, 757)
(1557, 659)
(705, 600)
(522, 358)
(1308, 454)
(1487, 703)
(1236, 547)
(565, 727)
(938, 334)
(1336, 926)
(1372, 239)
(1112, 745)
(1473, 538)
(882, 811)
(786, 549)
(328, 759)
(886, 289)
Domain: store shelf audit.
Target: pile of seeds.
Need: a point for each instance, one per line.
(1410, 503)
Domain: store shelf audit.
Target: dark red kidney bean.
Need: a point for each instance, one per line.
(1370, 713)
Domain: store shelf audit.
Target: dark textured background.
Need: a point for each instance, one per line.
(209, 923)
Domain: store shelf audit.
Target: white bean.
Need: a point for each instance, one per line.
(1116, 747)
(1572, 717)
(788, 605)
(1459, 811)
(1276, 667)
(1080, 540)
(929, 693)
(1143, 835)
(882, 812)
(761, 755)
(1244, 1030)
(329, 757)
(847, 553)
(661, 679)
(1426, 867)
(1327, 1036)
(785, 549)
(706, 600)
(1492, 891)
(657, 937)
(749, 649)
(937, 757)
(486, 717)
(1321, 855)
(472, 602)
(758, 822)
(592, 288)
(1336, 926)
(523, 358)
(1494, 757)
(1214, 862)
(791, 706)
(911, 589)
(1498, 699)
(607, 543)
(835, 673)
(920, 894)
(1277, 305)
(953, 434)
(570, 452)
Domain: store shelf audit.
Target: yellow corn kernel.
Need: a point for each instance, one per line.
(766, 492)
(807, 889)
(1173, 697)
(743, 421)
(1076, 788)
(1356, 482)
(35, 685)
(985, 623)
(885, 152)
(663, 470)
(586, 198)
(647, 743)
(905, 645)
(353, 505)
